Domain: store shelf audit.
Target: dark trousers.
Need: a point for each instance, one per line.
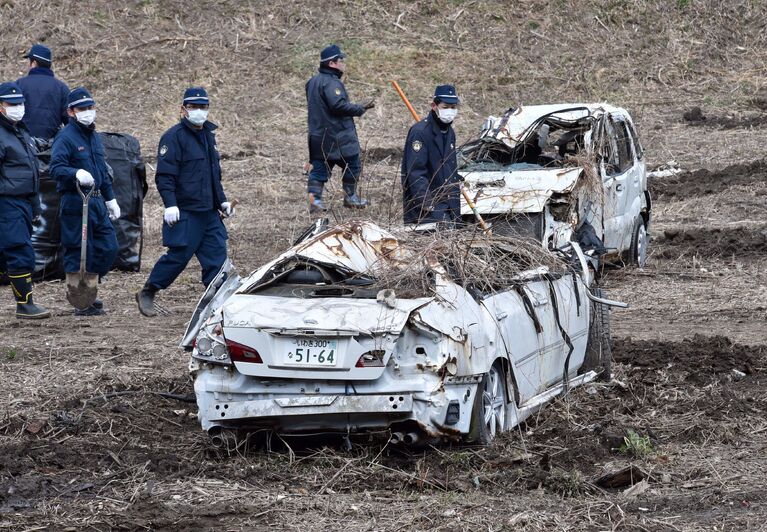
(321, 170)
(16, 252)
(102, 241)
(197, 233)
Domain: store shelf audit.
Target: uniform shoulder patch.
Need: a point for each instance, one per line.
(163, 149)
(417, 145)
(338, 91)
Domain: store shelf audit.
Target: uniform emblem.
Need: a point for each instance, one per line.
(81, 148)
(417, 145)
(452, 145)
(338, 91)
(163, 150)
(215, 147)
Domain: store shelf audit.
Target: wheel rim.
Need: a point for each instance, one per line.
(494, 403)
(641, 246)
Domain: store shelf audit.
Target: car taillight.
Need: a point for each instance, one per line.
(242, 353)
(371, 359)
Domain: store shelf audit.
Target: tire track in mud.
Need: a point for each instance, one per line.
(739, 242)
(706, 182)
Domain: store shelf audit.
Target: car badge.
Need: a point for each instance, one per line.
(309, 321)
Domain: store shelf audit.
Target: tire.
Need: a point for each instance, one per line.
(599, 349)
(488, 417)
(639, 241)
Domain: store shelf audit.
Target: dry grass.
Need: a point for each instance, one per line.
(77, 452)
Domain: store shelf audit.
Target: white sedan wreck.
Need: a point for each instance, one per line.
(559, 173)
(433, 337)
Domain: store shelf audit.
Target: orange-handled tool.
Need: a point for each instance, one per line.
(469, 202)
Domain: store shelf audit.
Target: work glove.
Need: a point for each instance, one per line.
(85, 178)
(226, 209)
(370, 104)
(172, 215)
(114, 209)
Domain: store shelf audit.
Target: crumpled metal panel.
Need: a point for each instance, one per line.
(354, 316)
(521, 191)
(513, 131)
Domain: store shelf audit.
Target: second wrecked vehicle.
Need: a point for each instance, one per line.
(562, 172)
(449, 336)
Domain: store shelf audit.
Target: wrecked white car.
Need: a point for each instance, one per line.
(559, 173)
(453, 336)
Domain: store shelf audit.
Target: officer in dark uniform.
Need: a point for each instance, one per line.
(46, 96)
(78, 158)
(430, 182)
(19, 200)
(332, 134)
(189, 181)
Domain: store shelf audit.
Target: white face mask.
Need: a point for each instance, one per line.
(197, 116)
(86, 118)
(15, 112)
(447, 115)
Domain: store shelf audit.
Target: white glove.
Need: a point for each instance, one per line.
(85, 178)
(114, 209)
(172, 215)
(227, 209)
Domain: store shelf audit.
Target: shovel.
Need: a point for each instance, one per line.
(82, 286)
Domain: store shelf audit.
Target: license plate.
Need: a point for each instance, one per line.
(311, 352)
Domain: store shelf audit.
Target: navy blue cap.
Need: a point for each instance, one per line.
(196, 95)
(80, 97)
(331, 52)
(446, 94)
(10, 92)
(40, 53)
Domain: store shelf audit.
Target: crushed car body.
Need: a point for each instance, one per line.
(449, 336)
(562, 172)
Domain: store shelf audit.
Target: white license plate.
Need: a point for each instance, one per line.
(311, 352)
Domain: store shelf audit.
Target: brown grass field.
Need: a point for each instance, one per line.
(88, 441)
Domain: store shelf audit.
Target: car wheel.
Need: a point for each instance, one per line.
(489, 412)
(599, 349)
(638, 250)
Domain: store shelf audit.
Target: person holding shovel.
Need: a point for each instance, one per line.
(19, 200)
(189, 181)
(430, 183)
(79, 167)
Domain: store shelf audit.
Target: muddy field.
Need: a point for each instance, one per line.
(98, 428)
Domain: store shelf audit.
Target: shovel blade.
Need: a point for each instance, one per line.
(82, 289)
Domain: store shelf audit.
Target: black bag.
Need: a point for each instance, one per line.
(123, 154)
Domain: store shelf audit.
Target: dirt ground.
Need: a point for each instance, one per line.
(98, 427)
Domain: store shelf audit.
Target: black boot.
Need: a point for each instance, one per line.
(22, 290)
(315, 197)
(145, 300)
(351, 199)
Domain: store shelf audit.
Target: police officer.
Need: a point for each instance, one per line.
(189, 181)
(46, 96)
(430, 183)
(332, 134)
(19, 200)
(77, 159)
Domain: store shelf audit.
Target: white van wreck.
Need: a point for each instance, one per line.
(449, 336)
(559, 173)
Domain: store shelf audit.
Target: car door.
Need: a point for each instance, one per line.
(615, 165)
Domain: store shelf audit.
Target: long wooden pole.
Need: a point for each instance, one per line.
(470, 203)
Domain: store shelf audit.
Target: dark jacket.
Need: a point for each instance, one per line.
(430, 182)
(78, 147)
(19, 174)
(332, 134)
(189, 168)
(46, 102)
